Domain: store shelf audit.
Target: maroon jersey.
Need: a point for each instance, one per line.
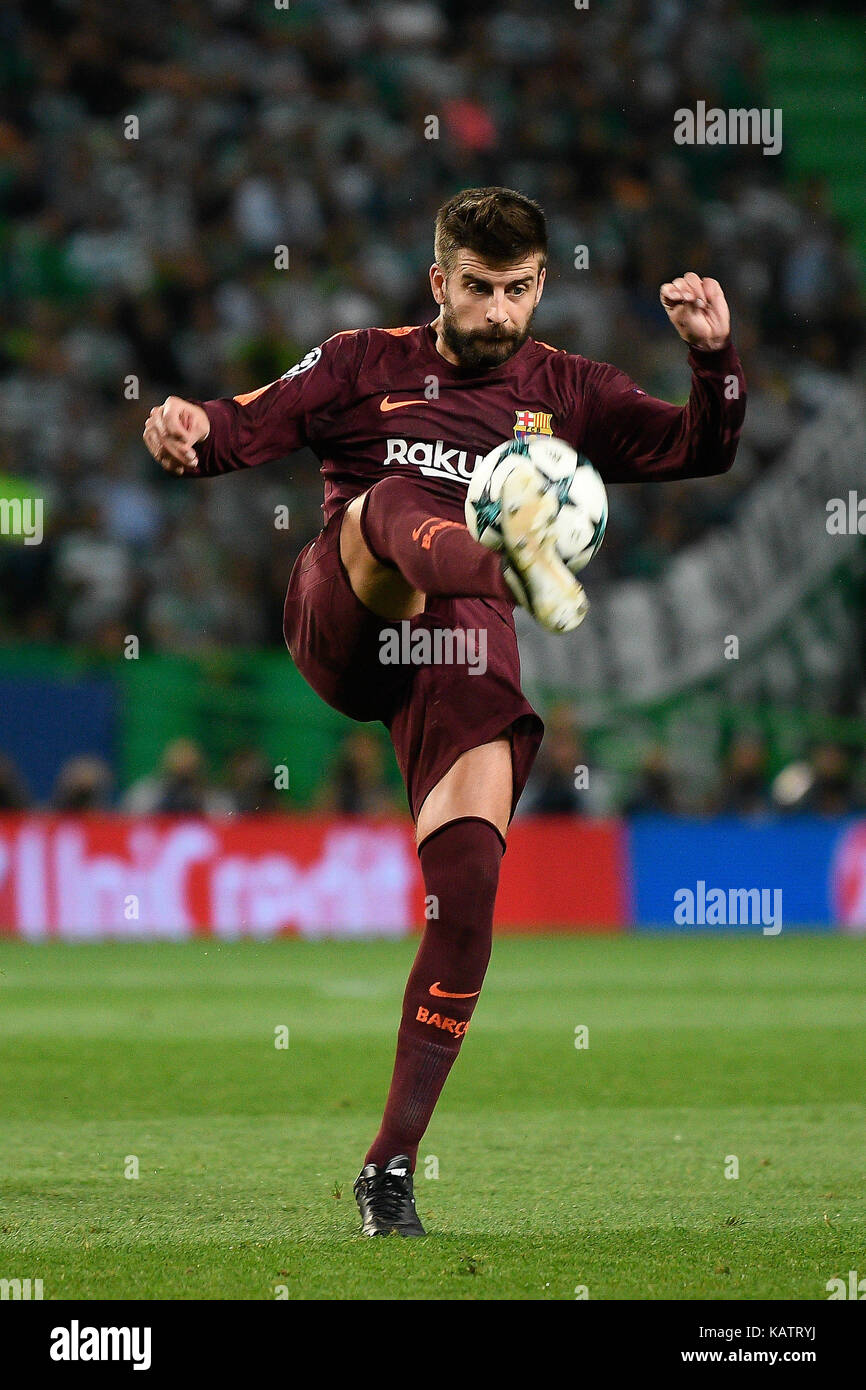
(383, 400)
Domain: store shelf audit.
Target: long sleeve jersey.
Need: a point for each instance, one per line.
(383, 400)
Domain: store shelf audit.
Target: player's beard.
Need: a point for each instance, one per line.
(480, 350)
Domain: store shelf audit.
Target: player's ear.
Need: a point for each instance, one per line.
(437, 284)
(542, 276)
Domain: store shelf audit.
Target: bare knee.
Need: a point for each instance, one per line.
(479, 783)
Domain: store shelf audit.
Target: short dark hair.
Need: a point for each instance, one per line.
(498, 224)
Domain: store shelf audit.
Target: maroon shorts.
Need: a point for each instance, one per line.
(433, 712)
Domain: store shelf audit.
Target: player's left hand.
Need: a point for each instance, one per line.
(698, 311)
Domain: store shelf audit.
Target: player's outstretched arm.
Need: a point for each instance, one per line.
(206, 438)
(632, 437)
(172, 431)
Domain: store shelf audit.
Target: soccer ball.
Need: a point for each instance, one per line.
(582, 518)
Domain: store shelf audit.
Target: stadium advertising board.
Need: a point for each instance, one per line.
(94, 877)
(727, 875)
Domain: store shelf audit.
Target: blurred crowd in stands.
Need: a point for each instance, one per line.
(830, 781)
(356, 784)
(138, 260)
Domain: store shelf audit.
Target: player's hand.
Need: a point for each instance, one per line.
(698, 311)
(171, 432)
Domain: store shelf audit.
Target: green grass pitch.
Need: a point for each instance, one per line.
(559, 1167)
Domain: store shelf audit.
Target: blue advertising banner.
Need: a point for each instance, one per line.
(45, 722)
(731, 875)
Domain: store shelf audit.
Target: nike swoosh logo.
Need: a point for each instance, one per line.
(439, 523)
(387, 404)
(446, 993)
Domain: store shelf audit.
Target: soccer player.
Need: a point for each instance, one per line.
(399, 417)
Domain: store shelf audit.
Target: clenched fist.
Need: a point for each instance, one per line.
(698, 311)
(171, 432)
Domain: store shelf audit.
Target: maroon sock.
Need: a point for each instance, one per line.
(435, 555)
(460, 862)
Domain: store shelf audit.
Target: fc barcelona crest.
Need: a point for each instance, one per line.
(532, 422)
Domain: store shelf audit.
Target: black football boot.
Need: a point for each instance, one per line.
(386, 1199)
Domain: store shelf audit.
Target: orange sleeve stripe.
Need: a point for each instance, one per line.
(251, 395)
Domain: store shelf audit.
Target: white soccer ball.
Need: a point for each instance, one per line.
(582, 517)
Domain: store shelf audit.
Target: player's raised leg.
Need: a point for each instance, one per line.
(460, 831)
(397, 549)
